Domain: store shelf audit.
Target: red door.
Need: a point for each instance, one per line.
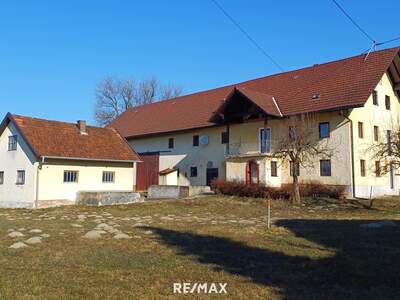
(147, 171)
(252, 172)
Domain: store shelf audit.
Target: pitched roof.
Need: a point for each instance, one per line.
(340, 84)
(63, 140)
(266, 102)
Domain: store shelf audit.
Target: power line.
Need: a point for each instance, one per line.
(374, 42)
(388, 41)
(253, 41)
(354, 22)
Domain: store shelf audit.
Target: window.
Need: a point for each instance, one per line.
(20, 177)
(362, 167)
(70, 176)
(193, 171)
(325, 167)
(12, 143)
(324, 130)
(274, 169)
(2, 177)
(387, 102)
(295, 168)
(376, 133)
(378, 168)
(108, 177)
(375, 98)
(224, 137)
(389, 141)
(171, 143)
(195, 141)
(264, 141)
(360, 130)
(292, 132)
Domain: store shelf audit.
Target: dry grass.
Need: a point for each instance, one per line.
(315, 251)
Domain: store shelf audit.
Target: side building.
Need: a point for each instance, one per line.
(231, 132)
(45, 163)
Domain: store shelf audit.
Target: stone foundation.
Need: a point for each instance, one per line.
(107, 198)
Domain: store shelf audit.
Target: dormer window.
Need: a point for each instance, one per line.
(316, 96)
(12, 143)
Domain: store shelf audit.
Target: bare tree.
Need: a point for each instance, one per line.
(114, 96)
(300, 146)
(386, 151)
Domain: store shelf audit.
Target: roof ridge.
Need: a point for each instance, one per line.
(54, 121)
(232, 85)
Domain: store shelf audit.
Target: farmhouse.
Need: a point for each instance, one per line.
(230, 132)
(45, 163)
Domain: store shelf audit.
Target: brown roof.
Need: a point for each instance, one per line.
(63, 140)
(340, 84)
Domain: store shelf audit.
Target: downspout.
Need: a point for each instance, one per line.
(37, 182)
(352, 155)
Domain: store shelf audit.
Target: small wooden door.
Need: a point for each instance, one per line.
(147, 171)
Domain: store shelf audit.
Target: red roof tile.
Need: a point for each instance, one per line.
(340, 84)
(63, 140)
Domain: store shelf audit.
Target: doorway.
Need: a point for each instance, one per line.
(252, 172)
(212, 173)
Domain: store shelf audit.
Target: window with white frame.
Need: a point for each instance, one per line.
(108, 177)
(1, 177)
(71, 176)
(12, 143)
(264, 140)
(20, 177)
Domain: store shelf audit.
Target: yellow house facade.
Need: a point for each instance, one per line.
(232, 132)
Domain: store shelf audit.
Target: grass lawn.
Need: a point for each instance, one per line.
(317, 251)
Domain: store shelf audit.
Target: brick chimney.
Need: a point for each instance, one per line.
(82, 127)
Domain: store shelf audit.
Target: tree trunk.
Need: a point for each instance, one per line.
(296, 190)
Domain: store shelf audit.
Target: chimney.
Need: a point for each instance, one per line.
(82, 127)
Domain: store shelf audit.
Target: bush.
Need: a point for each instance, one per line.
(315, 189)
(310, 189)
(241, 189)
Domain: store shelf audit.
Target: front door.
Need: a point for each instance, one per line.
(252, 172)
(147, 171)
(212, 173)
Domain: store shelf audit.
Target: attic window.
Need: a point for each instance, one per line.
(316, 96)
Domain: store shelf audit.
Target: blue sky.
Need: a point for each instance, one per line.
(52, 53)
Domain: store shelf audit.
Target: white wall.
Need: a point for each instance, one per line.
(184, 155)
(11, 194)
(51, 177)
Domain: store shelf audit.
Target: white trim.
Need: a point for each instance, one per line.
(276, 104)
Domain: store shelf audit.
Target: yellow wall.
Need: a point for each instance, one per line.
(184, 155)
(51, 177)
(245, 138)
(371, 115)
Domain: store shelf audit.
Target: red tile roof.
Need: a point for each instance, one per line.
(63, 140)
(340, 84)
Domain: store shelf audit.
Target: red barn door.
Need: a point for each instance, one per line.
(147, 171)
